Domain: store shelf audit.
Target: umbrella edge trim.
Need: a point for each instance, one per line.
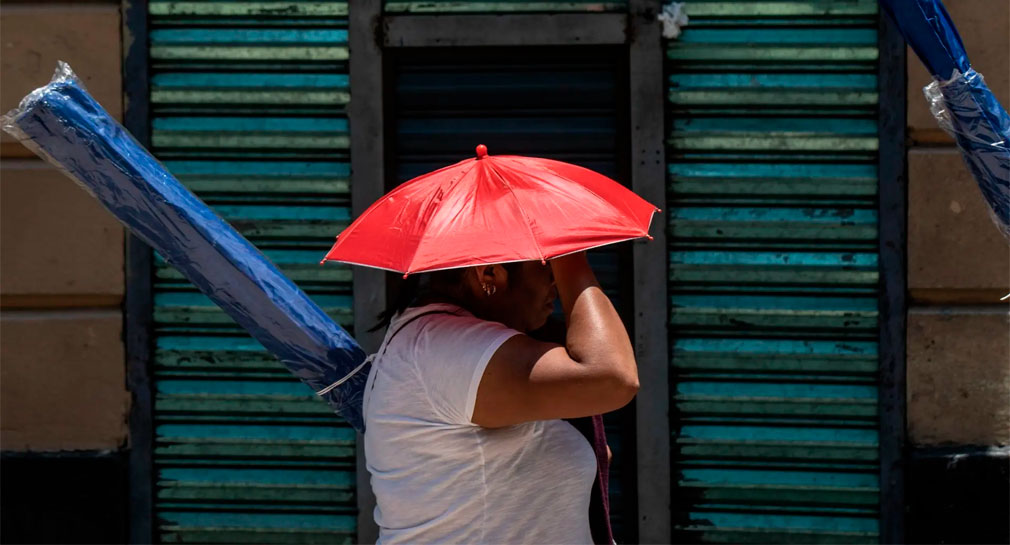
(636, 237)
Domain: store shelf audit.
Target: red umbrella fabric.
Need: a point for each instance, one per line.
(492, 209)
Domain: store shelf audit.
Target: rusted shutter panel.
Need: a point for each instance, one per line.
(772, 190)
(249, 111)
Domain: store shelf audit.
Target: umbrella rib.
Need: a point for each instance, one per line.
(368, 211)
(452, 185)
(593, 193)
(375, 206)
(529, 224)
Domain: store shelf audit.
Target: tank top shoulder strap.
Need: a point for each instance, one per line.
(412, 319)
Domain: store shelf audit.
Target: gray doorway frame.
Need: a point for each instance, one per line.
(892, 217)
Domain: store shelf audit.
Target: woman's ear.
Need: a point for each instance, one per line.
(485, 274)
(499, 277)
(482, 275)
(492, 275)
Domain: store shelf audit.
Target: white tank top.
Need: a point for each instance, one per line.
(437, 477)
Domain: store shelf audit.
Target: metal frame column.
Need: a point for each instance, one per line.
(138, 305)
(367, 185)
(892, 228)
(648, 179)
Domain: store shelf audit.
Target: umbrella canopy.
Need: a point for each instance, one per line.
(492, 209)
(960, 100)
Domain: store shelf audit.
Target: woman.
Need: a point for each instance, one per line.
(465, 442)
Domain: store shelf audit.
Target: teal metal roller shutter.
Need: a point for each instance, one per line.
(249, 111)
(772, 187)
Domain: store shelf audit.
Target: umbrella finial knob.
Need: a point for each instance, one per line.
(481, 151)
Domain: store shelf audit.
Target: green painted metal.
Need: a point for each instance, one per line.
(772, 187)
(502, 6)
(249, 107)
(160, 9)
(763, 10)
(214, 526)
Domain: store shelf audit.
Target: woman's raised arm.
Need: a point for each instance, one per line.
(595, 372)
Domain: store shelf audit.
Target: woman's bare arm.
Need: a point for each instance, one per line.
(594, 373)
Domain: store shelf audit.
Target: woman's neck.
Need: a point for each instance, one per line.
(435, 295)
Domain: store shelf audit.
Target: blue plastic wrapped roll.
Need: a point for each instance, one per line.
(929, 30)
(960, 100)
(64, 125)
(966, 108)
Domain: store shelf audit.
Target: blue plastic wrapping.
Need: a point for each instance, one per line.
(65, 126)
(960, 100)
(929, 30)
(965, 108)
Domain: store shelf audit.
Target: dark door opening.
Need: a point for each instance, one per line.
(564, 103)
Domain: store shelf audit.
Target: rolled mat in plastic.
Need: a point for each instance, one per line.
(966, 108)
(65, 126)
(960, 100)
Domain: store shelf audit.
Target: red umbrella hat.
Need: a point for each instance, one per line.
(492, 209)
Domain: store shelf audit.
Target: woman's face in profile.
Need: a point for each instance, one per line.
(529, 299)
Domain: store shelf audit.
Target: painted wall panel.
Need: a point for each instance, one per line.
(61, 248)
(63, 369)
(63, 380)
(953, 243)
(958, 377)
(35, 37)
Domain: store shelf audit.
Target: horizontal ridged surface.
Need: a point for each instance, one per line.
(248, 107)
(772, 188)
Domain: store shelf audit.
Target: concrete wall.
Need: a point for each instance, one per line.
(958, 387)
(958, 263)
(61, 270)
